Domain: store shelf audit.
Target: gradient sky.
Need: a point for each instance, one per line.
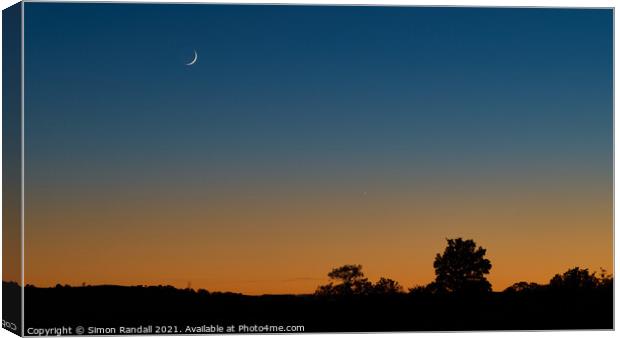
(305, 138)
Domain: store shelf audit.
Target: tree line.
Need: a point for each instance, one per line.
(460, 269)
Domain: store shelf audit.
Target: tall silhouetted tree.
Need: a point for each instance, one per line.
(346, 280)
(461, 268)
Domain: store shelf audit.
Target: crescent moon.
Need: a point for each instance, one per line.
(194, 60)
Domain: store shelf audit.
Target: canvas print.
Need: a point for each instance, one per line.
(232, 168)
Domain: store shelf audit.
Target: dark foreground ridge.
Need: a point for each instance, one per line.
(115, 306)
(460, 298)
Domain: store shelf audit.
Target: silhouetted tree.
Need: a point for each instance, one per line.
(348, 274)
(575, 279)
(386, 286)
(461, 268)
(349, 280)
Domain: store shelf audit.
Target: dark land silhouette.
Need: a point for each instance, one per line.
(460, 298)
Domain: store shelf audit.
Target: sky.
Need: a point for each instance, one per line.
(308, 137)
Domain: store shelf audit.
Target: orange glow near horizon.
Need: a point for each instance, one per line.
(287, 243)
